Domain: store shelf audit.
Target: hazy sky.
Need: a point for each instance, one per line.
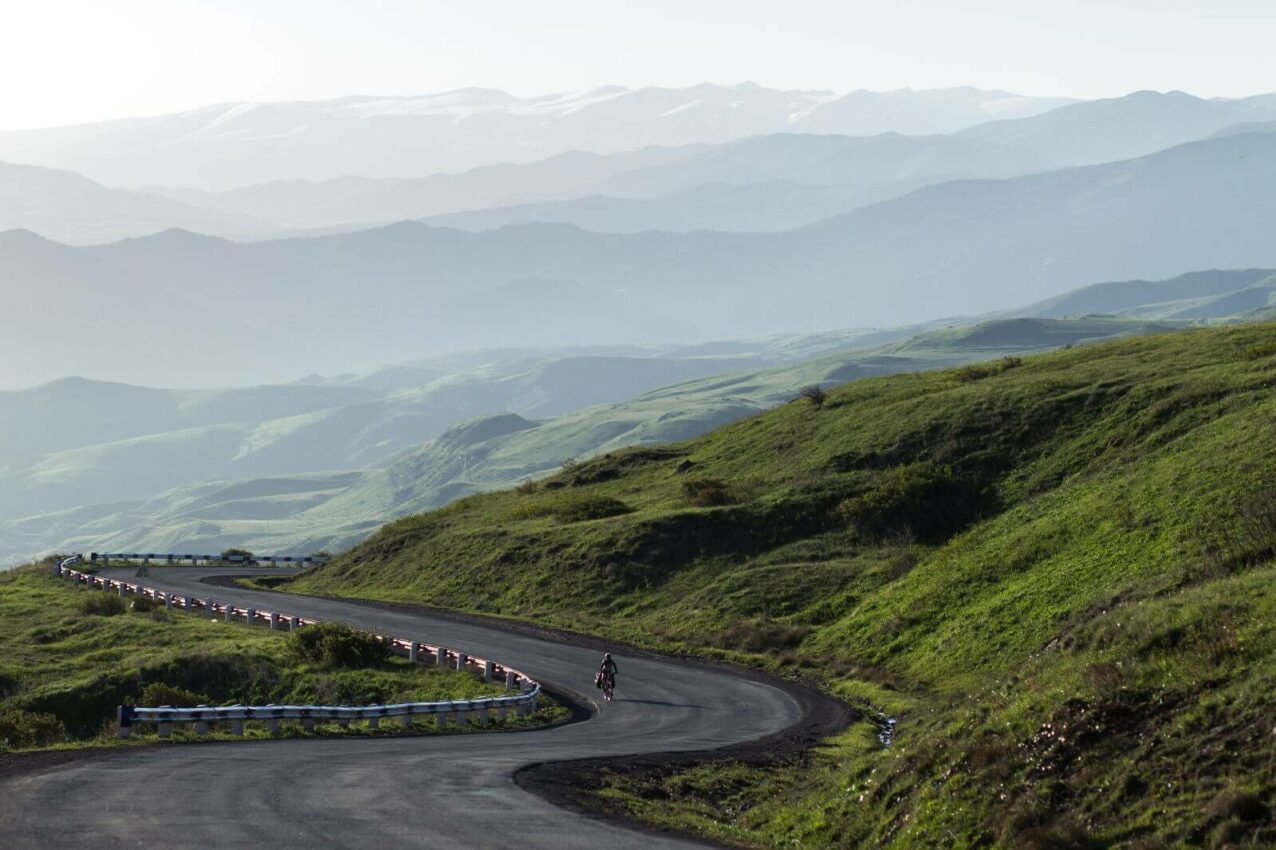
(66, 61)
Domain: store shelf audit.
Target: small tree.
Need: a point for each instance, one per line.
(814, 394)
(227, 554)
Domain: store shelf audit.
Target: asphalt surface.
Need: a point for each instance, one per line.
(439, 791)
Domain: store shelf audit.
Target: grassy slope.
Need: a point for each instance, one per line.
(1057, 575)
(79, 668)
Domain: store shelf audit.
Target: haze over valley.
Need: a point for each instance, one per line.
(593, 249)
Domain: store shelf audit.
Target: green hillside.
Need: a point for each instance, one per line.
(1056, 572)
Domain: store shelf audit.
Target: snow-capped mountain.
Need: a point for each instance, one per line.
(238, 144)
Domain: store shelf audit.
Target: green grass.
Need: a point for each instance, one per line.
(1056, 573)
(72, 668)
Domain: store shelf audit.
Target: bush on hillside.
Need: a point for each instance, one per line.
(338, 645)
(22, 729)
(917, 500)
(160, 693)
(102, 605)
(1260, 350)
(227, 554)
(814, 395)
(707, 492)
(1251, 542)
(142, 604)
(571, 507)
(759, 635)
(979, 371)
(591, 507)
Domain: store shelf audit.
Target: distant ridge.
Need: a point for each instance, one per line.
(237, 144)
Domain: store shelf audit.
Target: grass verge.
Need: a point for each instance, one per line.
(71, 655)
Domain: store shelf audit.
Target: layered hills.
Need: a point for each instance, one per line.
(951, 249)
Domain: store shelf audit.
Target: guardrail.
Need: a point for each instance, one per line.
(478, 711)
(174, 559)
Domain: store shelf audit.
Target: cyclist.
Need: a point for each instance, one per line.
(607, 676)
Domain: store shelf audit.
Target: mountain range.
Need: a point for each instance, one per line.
(238, 144)
(771, 182)
(407, 290)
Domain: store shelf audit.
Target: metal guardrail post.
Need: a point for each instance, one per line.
(165, 727)
(124, 721)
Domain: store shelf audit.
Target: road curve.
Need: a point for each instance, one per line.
(443, 791)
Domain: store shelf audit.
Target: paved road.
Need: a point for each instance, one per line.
(441, 791)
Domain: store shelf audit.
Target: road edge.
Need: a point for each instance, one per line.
(568, 783)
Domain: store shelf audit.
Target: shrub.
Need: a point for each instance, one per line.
(814, 394)
(1260, 350)
(526, 487)
(979, 371)
(338, 645)
(1235, 803)
(570, 507)
(159, 693)
(759, 636)
(227, 554)
(21, 729)
(707, 492)
(142, 604)
(1257, 532)
(1250, 543)
(917, 499)
(102, 605)
(591, 507)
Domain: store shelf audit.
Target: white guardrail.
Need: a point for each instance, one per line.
(479, 711)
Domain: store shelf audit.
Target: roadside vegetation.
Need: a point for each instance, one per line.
(1057, 574)
(69, 657)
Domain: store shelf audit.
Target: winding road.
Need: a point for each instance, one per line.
(443, 791)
